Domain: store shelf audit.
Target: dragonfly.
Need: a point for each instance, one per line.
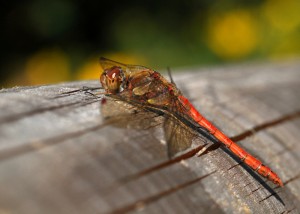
(142, 86)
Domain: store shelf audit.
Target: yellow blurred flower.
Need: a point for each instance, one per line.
(233, 35)
(90, 70)
(283, 15)
(287, 47)
(47, 66)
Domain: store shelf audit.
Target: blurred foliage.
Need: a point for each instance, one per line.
(48, 41)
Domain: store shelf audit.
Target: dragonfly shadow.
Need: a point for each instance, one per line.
(255, 176)
(245, 167)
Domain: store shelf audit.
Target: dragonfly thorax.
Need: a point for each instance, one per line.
(113, 80)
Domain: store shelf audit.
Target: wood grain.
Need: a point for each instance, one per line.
(58, 154)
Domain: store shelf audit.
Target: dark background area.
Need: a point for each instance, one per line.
(47, 41)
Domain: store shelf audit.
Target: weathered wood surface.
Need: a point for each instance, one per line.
(58, 156)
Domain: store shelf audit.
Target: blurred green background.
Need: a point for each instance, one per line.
(48, 41)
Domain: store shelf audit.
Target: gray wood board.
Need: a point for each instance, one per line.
(58, 155)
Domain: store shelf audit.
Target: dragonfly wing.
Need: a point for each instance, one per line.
(107, 63)
(180, 137)
(125, 115)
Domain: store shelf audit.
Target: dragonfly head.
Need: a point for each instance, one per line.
(112, 79)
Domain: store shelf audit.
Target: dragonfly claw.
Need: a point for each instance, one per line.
(201, 151)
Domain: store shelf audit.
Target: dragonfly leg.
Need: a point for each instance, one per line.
(86, 88)
(201, 151)
(87, 91)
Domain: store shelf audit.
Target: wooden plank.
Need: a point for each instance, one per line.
(58, 155)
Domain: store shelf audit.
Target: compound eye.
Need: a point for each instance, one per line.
(113, 73)
(113, 79)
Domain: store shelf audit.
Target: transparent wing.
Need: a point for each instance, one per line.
(125, 115)
(180, 137)
(107, 63)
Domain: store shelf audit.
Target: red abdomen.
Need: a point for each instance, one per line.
(248, 159)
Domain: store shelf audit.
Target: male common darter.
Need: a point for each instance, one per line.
(143, 86)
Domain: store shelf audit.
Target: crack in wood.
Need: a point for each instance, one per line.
(143, 202)
(38, 145)
(247, 184)
(159, 166)
(253, 191)
(266, 125)
(291, 210)
(292, 179)
(272, 194)
(21, 115)
(235, 165)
